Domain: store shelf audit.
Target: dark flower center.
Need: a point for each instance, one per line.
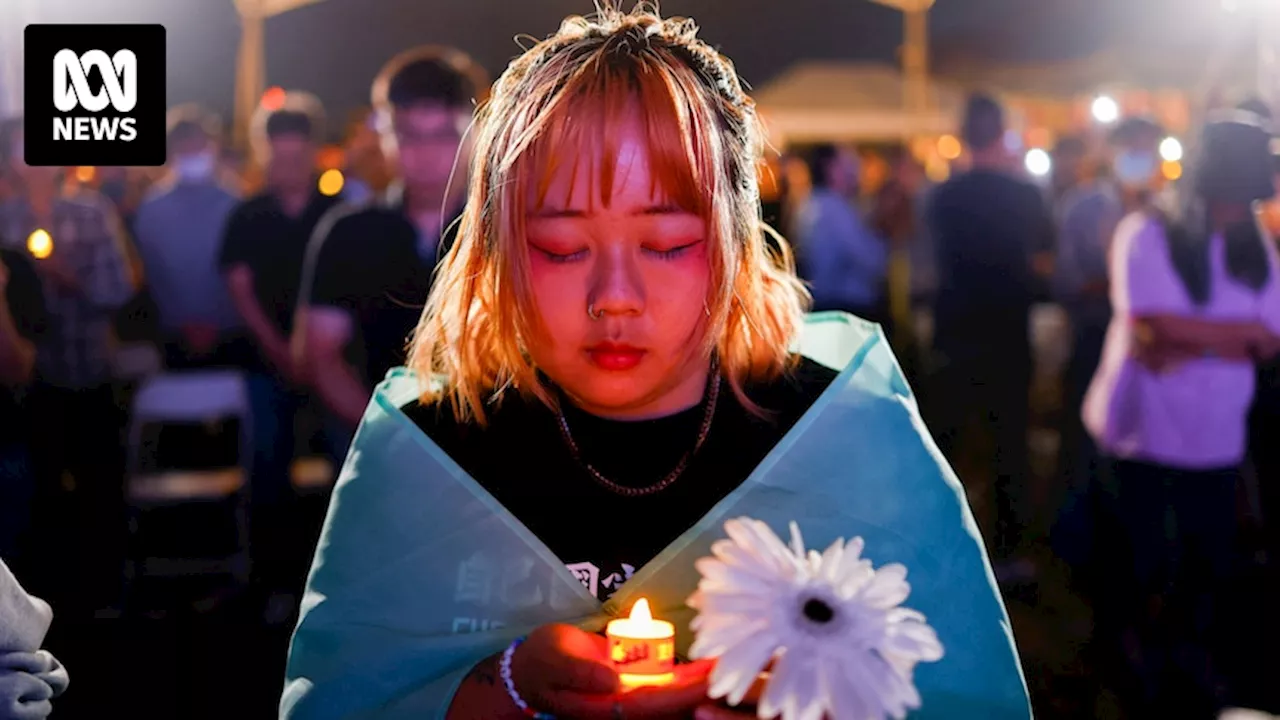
(818, 611)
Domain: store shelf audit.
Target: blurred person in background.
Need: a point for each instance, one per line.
(78, 249)
(1264, 421)
(1070, 156)
(365, 165)
(23, 319)
(178, 232)
(261, 258)
(1196, 304)
(896, 218)
(992, 232)
(369, 268)
(839, 256)
(1088, 221)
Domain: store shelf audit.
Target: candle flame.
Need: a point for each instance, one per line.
(640, 611)
(40, 244)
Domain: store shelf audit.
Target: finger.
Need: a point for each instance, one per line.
(579, 662)
(674, 700)
(696, 669)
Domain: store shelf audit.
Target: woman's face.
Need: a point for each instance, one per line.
(640, 263)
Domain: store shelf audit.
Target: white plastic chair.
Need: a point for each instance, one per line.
(191, 397)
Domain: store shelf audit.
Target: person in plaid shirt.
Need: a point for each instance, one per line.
(85, 276)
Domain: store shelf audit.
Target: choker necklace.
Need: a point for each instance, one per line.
(713, 393)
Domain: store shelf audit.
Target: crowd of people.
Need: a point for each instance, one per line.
(309, 299)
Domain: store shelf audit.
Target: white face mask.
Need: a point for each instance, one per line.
(1135, 168)
(196, 168)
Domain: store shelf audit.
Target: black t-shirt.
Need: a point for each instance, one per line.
(371, 262)
(273, 245)
(522, 459)
(24, 296)
(986, 225)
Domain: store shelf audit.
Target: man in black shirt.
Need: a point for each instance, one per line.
(369, 268)
(994, 239)
(262, 254)
(23, 317)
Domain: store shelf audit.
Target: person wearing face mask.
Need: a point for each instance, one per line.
(1087, 222)
(178, 230)
(1196, 303)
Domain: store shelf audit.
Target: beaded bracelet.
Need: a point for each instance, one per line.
(504, 670)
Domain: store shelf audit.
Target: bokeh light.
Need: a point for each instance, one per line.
(1171, 169)
(1038, 162)
(1105, 109)
(85, 174)
(949, 147)
(331, 182)
(40, 244)
(273, 99)
(1171, 150)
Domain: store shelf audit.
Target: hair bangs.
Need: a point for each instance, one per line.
(584, 126)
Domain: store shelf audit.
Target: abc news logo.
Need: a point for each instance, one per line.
(71, 91)
(94, 95)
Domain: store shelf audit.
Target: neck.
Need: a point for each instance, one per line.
(992, 158)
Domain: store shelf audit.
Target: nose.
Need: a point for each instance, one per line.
(617, 283)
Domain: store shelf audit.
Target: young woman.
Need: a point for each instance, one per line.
(604, 374)
(1195, 306)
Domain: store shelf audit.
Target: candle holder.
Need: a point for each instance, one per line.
(643, 650)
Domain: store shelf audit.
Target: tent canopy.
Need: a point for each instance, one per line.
(851, 102)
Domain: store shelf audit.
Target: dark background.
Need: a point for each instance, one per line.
(335, 47)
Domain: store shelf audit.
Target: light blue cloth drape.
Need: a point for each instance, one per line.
(420, 573)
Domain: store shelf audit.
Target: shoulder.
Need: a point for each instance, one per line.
(88, 210)
(791, 394)
(17, 263)
(1140, 231)
(252, 207)
(462, 440)
(345, 220)
(159, 189)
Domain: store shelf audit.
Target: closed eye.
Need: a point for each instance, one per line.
(675, 252)
(561, 257)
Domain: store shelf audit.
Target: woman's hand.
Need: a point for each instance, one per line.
(746, 710)
(565, 672)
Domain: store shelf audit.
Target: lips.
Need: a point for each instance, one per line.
(615, 357)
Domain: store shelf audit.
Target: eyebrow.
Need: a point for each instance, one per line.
(652, 210)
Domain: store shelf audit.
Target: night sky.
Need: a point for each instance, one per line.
(334, 48)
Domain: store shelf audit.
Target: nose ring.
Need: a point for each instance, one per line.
(591, 312)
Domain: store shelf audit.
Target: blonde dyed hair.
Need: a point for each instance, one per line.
(574, 91)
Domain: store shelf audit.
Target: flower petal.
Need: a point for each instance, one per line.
(797, 542)
(718, 635)
(888, 588)
(737, 668)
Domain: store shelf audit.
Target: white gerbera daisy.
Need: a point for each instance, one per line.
(841, 645)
